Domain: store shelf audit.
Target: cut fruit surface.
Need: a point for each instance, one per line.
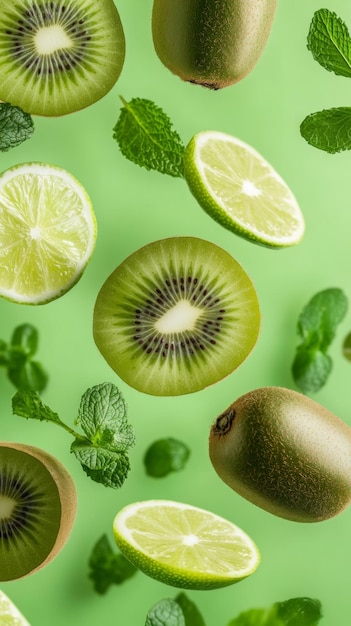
(38, 504)
(9, 613)
(58, 57)
(47, 232)
(238, 188)
(176, 316)
(183, 545)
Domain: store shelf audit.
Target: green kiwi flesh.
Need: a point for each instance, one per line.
(37, 509)
(176, 316)
(214, 43)
(285, 453)
(59, 56)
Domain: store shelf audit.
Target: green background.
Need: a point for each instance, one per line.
(134, 207)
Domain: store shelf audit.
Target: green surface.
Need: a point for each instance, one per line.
(133, 207)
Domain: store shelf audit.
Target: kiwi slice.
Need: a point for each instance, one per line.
(176, 316)
(59, 56)
(37, 509)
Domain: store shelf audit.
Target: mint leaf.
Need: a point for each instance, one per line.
(28, 404)
(299, 612)
(167, 612)
(329, 41)
(108, 567)
(25, 337)
(317, 326)
(191, 613)
(165, 456)
(103, 417)
(328, 130)
(29, 376)
(145, 136)
(15, 126)
(104, 466)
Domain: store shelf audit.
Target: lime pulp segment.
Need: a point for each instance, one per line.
(183, 545)
(47, 232)
(238, 188)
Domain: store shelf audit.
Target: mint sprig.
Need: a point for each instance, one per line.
(317, 325)
(103, 449)
(330, 44)
(15, 126)
(108, 567)
(145, 136)
(16, 356)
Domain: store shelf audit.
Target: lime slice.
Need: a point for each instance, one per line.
(238, 188)
(9, 613)
(47, 232)
(184, 546)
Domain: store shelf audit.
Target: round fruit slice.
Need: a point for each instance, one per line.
(58, 56)
(184, 546)
(238, 188)
(47, 232)
(9, 613)
(176, 316)
(37, 509)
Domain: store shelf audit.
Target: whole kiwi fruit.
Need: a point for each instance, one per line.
(176, 316)
(59, 56)
(38, 505)
(214, 43)
(285, 453)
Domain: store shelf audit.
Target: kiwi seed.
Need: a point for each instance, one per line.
(176, 316)
(37, 509)
(59, 56)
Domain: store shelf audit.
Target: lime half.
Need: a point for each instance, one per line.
(47, 232)
(238, 188)
(9, 613)
(184, 546)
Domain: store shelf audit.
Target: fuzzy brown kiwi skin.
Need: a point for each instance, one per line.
(285, 453)
(213, 43)
(67, 492)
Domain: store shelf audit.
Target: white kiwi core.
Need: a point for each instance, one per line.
(179, 318)
(49, 39)
(7, 506)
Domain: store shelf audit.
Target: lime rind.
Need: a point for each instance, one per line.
(239, 189)
(47, 232)
(159, 538)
